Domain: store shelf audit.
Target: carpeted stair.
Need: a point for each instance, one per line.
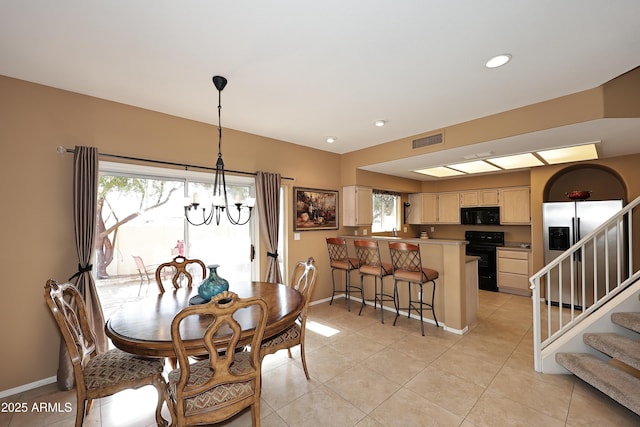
(620, 378)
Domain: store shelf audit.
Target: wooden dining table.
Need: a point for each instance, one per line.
(144, 327)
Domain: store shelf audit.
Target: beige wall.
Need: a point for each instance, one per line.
(38, 241)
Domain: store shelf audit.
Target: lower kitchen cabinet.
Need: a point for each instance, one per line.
(514, 269)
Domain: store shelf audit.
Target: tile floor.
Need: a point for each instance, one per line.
(370, 374)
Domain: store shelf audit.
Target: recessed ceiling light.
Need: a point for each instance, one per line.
(498, 61)
(570, 154)
(331, 139)
(381, 123)
(478, 166)
(439, 171)
(516, 161)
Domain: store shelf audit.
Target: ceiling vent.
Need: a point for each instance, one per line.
(428, 141)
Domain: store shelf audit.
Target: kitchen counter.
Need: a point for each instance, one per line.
(457, 286)
(517, 246)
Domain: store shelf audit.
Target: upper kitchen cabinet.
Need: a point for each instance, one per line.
(473, 198)
(423, 208)
(434, 208)
(449, 208)
(357, 206)
(515, 203)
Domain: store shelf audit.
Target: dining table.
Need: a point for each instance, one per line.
(143, 327)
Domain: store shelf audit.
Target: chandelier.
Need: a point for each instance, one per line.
(239, 212)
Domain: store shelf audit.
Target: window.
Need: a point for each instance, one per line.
(141, 213)
(386, 211)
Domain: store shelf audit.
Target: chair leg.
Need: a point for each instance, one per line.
(304, 360)
(410, 303)
(433, 307)
(421, 307)
(80, 409)
(333, 284)
(161, 388)
(396, 298)
(289, 352)
(348, 288)
(381, 300)
(361, 293)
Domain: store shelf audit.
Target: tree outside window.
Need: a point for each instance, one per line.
(386, 211)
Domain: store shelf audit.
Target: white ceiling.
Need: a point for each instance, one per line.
(301, 71)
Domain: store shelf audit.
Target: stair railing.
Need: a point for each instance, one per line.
(590, 278)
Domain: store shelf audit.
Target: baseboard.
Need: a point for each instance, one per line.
(27, 387)
(402, 313)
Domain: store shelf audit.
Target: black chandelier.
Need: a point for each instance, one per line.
(242, 212)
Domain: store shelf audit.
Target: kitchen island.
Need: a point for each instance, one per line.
(456, 299)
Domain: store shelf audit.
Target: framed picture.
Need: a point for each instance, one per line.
(315, 209)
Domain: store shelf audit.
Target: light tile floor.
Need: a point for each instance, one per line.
(370, 374)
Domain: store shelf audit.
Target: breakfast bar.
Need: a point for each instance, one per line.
(456, 299)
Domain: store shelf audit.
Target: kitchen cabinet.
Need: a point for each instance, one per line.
(357, 206)
(434, 208)
(515, 206)
(473, 198)
(448, 208)
(514, 269)
(423, 209)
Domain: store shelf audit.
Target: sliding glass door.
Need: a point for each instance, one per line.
(141, 224)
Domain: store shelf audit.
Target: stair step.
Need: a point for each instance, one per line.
(628, 320)
(622, 348)
(615, 383)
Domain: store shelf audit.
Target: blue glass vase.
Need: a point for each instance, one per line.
(212, 285)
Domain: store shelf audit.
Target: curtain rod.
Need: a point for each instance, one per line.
(60, 149)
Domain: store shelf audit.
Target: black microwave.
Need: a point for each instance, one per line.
(480, 216)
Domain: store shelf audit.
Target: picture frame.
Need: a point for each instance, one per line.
(315, 209)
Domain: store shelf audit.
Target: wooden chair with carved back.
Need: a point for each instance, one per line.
(180, 266)
(96, 374)
(303, 279)
(216, 388)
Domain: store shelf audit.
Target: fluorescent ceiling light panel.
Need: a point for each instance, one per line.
(516, 161)
(439, 172)
(569, 154)
(474, 167)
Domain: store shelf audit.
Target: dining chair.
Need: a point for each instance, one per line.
(407, 267)
(98, 374)
(214, 389)
(180, 269)
(339, 260)
(370, 264)
(303, 279)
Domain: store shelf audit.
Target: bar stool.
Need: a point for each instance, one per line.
(370, 264)
(339, 260)
(407, 267)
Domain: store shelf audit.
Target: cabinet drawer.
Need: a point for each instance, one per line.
(516, 266)
(516, 281)
(513, 254)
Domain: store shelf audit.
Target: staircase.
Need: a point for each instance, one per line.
(598, 340)
(620, 377)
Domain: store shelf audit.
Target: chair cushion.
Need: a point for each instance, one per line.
(201, 373)
(374, 270)
(416, 276)
(344, 264)
(117, 367)
(286, 339)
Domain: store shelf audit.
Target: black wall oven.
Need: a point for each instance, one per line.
(483, 244)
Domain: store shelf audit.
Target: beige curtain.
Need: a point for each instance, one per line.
(268, 195)
(85, 192)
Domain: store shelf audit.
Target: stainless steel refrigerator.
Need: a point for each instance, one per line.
(565, 223)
